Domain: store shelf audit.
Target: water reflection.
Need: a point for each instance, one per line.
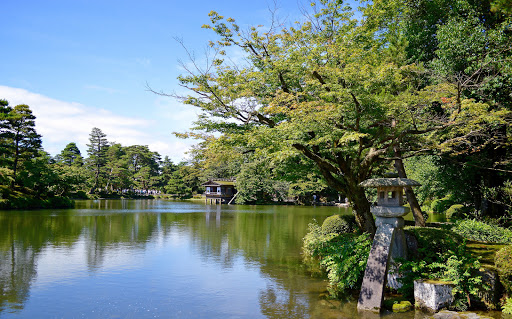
(181, 257)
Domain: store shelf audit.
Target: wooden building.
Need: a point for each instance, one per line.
(219, 191)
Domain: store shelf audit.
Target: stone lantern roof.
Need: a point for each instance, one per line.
(390, 192)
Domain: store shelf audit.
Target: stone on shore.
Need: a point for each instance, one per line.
(432, 295)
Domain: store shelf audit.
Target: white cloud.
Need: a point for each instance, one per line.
(61, 122)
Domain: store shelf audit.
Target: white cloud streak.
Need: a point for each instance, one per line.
(61, 122)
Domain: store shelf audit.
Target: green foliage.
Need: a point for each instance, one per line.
(70, 155)
(434, 245)
(455, 211)
(480, 231)
(425, 170)
(97, 151)
(501, 195)
(19, 141)
(442, 255)
(461, 268)
(31, 178)
(254, 184)
(185, 181)
(434, 240)
(503, 6)
(343, 256)
(142, 165)
(441, 205)
(338, 224)
(507, 307)
(20, 200)
(503, 262)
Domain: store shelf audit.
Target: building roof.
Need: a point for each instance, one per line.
(218, 183)
(390, 182)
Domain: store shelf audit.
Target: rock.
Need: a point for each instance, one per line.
(432, 295)
(403, 306)
(412, 243)
(488, 295)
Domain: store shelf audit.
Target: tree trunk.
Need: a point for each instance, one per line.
(15, 162)
(411, 197)
(361, 210)
(345, 181)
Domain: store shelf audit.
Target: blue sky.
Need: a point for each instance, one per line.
(81, 64)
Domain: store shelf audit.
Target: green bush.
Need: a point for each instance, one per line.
(432, 240)
(455, 211)
(441, 205)
(507, 307)
(442, 255)
(503, 262)
(434, 245)
(336, 224)
(342, 256)
(476, 230)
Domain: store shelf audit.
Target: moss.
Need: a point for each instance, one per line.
(485, 252)
(336, 224)
(435, 239)
(503, 262)
(438, 282)
(403, 306)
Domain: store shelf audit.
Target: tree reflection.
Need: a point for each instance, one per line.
(265, 237)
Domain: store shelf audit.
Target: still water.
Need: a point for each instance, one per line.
(163, 259)
(158, 259)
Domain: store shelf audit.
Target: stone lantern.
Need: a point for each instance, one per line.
(389, 241)
(390, 195)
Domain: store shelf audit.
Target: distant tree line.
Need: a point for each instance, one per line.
(30, 177)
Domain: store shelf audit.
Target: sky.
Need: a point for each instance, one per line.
(85, 63)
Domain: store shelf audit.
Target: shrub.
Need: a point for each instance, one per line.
(476, 230)
(507, 307)
(432, 240)
(442, 204)
(453, 263)
(336, 224)
(455, 211)
(435, 245)
(342, 256)
(503, 262)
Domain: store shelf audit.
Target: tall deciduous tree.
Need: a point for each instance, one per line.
(341, 93)
(466, 46)
(97, 150)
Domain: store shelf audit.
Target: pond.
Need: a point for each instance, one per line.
(161, 259)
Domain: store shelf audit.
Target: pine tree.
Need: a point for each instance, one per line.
(97, 154)
(70, 155)
(19, 141)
